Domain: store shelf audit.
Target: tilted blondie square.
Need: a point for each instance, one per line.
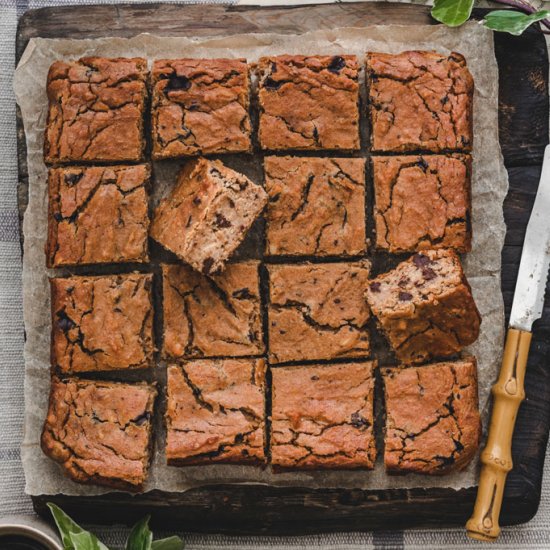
(102, 323)
(309, 102)
(100, 432)
(422, 202)
(207, 214)
(322, 416)
(432, 417)
(200, 106)
(420, 101)
(216, 412)
(425, 306)
(97, 215)
(316, 206)
(96, 110)
(317, 311)
(212, 316)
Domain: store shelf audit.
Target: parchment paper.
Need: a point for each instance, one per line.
(482, 266)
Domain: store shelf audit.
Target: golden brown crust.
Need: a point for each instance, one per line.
(425, 307)
(212, 316)
(101, 323)
(97, 215)
(96, 109)
(432, 417)
(317, 311)
(200, 106)
(100, 432)
(215, 412)
(316, 206)
(207, 214)
(422, 202)
(420, 101)
(322, 416)
(309, 102)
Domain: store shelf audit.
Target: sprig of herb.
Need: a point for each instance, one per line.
(74, 537)
(454, 13)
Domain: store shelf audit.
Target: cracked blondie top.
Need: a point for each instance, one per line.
(432, 418)
(101, 323)
(322, 416)
(419, 101)
(309, 102)
(96, 110)
(212, 316)
(316, 206)
(317, 311)
(422, 202)
(97, 215)
(425, 307)
(200, 106)
(207, 215)
(215, 412)
(100, 432)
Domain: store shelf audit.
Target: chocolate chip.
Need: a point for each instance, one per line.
(231, 204)
(207, 265)
(271, 84)
(222, 221)
(444, 100)
(273, 67)
(239, 438)
(358, 421)
(176, 82)
(374, 287)
(405, 296)
(458, 445)
(420, 260)
(275, 197)
(72, 179)
(337, 300)
(314, 378)
(422, 164)
(315, 133)
(428, 273)
(336, 65)
(403, 282)
(243, 294)
(57, 217)
(64, 322)
(197, 201)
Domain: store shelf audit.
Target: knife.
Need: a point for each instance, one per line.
(508, 392)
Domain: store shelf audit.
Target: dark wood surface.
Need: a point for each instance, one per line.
(523, 109)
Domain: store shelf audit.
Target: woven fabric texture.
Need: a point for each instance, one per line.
(535, 534)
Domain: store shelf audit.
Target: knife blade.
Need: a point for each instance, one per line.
(535, 257)
(508, 391)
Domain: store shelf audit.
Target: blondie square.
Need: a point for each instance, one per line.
(322, 416)
(425, 307)
(102, 323)
(100, 432)
(216, 412)
(96, 110)
(422, 202)
(419, 101)
(309, 102)
(200, 106)
(316, 206)
(207, 214)
(432, 417)
(212, 316)
(97, 215)
(317, 311)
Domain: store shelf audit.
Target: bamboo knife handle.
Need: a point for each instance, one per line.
(496, 459)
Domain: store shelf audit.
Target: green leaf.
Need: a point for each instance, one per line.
(72, 535)
(141, 536)
(171, 543)
(452, 12)
(512, 21)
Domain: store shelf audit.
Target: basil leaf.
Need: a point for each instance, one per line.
(68, 529)
(512, 21)
(171, 543)
(452, 12)
(84, 541)
(141, 536)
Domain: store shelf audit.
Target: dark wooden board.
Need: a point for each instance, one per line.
(523, 109)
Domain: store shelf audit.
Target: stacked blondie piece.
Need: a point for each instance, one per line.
(269, 358)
